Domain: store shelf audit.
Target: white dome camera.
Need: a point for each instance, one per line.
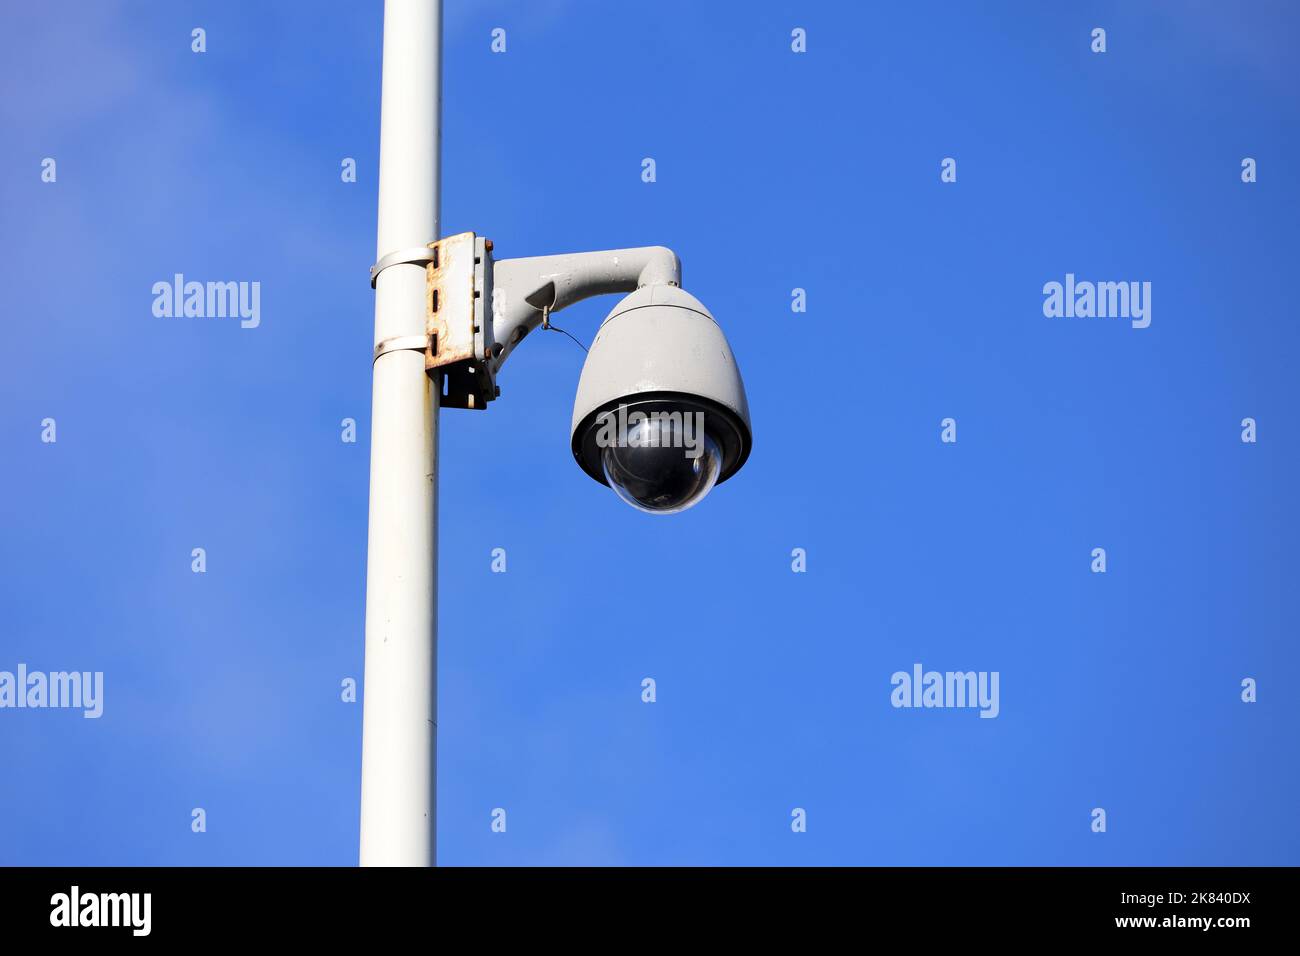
(660, 415)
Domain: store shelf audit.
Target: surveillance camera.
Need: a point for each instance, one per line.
(660, 416)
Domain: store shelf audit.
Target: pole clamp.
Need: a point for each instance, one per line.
(418, 255)
(402, 343)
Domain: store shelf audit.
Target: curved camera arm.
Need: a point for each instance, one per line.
(525, 290)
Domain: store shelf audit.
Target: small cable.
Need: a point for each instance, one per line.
(546, 324)
(555, 328)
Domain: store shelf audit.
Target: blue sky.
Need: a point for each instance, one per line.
(775, 170)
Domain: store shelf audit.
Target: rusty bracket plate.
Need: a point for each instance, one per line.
(458, 320)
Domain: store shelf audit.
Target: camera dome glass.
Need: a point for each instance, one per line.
(663, 462)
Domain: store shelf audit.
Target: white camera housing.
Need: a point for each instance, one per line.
(660, 354)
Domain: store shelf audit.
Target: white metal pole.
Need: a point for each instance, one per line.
(399, 733)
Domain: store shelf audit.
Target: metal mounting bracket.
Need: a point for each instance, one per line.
(458, 320)
(469, 332)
